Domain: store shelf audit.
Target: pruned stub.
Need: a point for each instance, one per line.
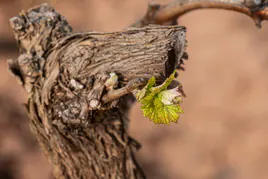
(69, 70)
(36, 32)
(82, 64)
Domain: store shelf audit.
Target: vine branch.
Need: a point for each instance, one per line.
(167, 14)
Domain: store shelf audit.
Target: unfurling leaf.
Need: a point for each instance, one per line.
(112, 81)
(159, 104)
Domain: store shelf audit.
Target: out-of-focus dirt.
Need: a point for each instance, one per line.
(223, 133)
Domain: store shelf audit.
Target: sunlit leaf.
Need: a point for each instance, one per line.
(159, 104)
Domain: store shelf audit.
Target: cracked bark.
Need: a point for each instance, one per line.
(79, 122)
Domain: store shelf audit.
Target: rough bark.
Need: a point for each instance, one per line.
(80, 122)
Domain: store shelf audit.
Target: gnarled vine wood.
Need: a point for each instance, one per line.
(80, 123)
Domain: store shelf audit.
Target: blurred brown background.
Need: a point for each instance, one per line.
(223, 133)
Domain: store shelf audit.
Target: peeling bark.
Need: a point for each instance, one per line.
(80, 123)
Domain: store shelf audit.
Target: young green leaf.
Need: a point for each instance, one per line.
(159, 104)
